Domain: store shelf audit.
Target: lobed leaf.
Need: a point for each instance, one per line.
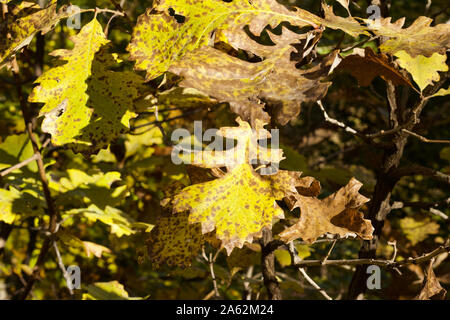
(336, 214)
(86, 105)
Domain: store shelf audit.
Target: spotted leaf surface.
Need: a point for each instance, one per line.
(241, 203)
(417, 39)
(336, 214)
(174, 241)
(161, 38)
(15, 204)
(86, 104)
(244, 84)
(22, 24)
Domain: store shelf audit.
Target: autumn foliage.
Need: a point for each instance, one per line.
(89, 120)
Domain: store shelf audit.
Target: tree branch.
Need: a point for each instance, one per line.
(268, 267)
(44, 182)
(382, 263)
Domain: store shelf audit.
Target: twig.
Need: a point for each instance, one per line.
(296, 259)
(41, 170)
(359, 44)
(120, 9)
(247, 287)
(329, 251)
(210, 261)
(5, 172)
(382, 263)
(413, 170)
(61, 265)
(394, 245)
(165, 120)
(439, 213)
(423, 139)
(334, 121)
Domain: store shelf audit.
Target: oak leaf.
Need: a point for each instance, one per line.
(86, 104)
(417, 39)
(423, 70)
(242, 203)
(173, 28)
(23, 22)
(336, 214)
(245, 85)
(365, 65)
(174, 241)
(432, 289)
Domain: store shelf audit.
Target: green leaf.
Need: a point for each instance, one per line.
(112, 290)
(15, 149)
(283, 257)
(120, 223)
(15, 204)
(81, 187)
(417, 230)
(86, 105)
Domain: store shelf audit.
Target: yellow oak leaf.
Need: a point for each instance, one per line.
(27, 19)
(87, 105)
(241, 203)
(423, 70)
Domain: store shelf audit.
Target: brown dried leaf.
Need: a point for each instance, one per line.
(336, 214)
(432, 289)
(245, 84)
(365, 65)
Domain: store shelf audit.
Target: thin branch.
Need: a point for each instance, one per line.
(44, 182)
(23, 163)
(394, 245)
(336, 122)
(296, 259)
(247, 286)
(382, 263)
(431, 207)
(5, 172)
(133, 128)
(120, 9)
(61, 265)
(423, 139)
(329, 251)
(413, 170)
(210, 261)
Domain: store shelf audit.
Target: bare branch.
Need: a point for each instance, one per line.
(61, 265)
(423, 139)
(414, 170)
(382, 263)
(296, 259)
